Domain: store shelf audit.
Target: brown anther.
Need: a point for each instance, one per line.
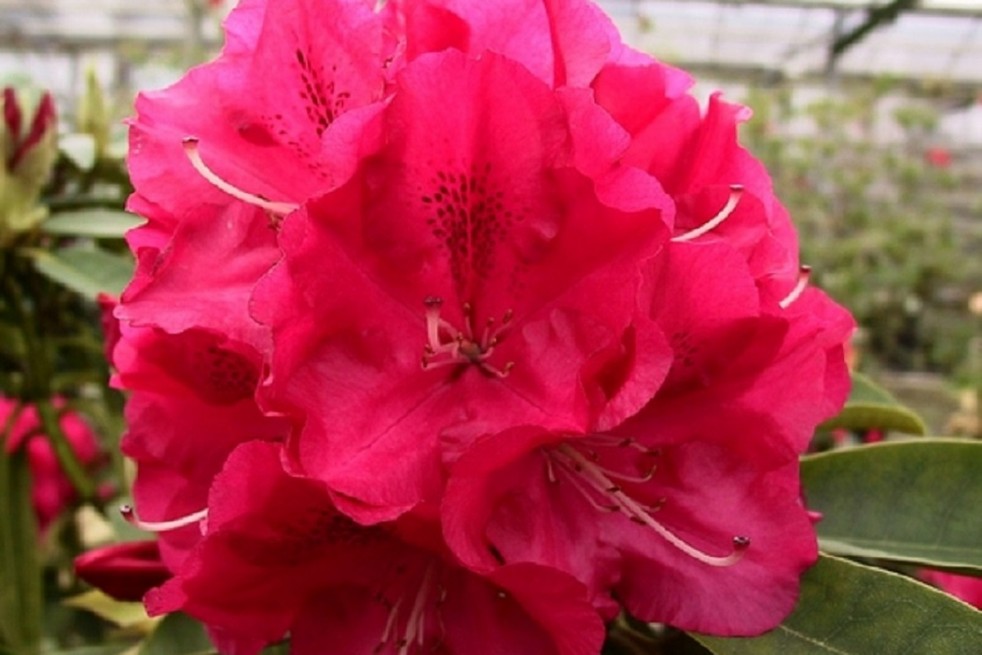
(507, 317)
(433, 302)
(614, 489)
(741, 543)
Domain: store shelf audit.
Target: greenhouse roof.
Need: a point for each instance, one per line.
(932, 40)
(926, 39)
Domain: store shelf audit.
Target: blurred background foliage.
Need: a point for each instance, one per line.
(891, 229)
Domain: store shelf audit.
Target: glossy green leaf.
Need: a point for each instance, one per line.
(121, 613)
(851, 609)
(917, 501)
(177, 634)
(96, 223)
(85, 270)
(870, 406)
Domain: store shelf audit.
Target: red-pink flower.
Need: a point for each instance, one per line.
(191, 403)
(278, 115)
(695, 157)
(694, 497)
(218, 158)
(527, 330)
(276, 557)
(482, 270)
(51, 490)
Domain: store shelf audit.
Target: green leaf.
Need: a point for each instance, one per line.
(95, 223)
(86, 270)
(177, 634)
(914, 501)
(115, 611)
(870, 406)
(105, 649)
(851, 609)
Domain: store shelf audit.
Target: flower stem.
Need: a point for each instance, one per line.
(21, 600)
(84, 485)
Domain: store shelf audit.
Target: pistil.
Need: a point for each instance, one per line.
(736, 191)
(129, 514)
(194, 156)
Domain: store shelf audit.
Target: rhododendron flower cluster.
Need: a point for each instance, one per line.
(458, 327)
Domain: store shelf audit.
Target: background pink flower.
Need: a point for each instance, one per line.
(52, 492)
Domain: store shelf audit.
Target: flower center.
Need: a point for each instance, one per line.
(448, 346)
(604, 485)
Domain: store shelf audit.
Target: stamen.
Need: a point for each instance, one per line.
(129, 514)
(550, 472)
(462, 346)
(736, 191)
(600, 483)
(193, 154)
(587, 491)
(414, 628)
(626, 477)
(799, 288)
(610, 441)
(433, 325)
(416, 625)
(390, 624)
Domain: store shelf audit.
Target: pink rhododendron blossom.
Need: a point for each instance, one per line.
(358, 590)
(521, 306)
(458, 325)
(191, 404)
(656, 488)
(51, 490)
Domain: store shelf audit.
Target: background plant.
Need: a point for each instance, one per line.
(882, 215)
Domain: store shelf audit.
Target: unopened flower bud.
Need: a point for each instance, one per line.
(93, 114)
(28, 150)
